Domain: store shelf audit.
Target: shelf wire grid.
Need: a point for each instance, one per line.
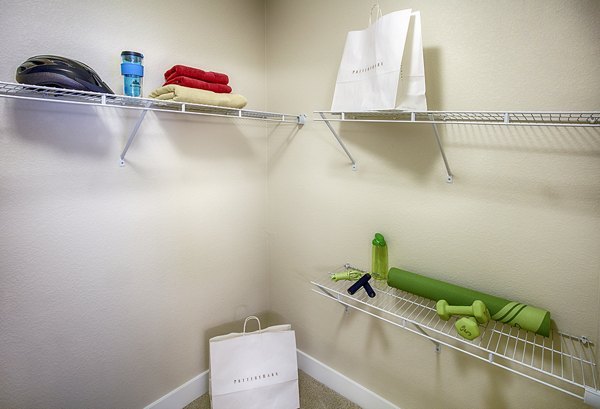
(533, 118)
(39, 93)
(561, 361)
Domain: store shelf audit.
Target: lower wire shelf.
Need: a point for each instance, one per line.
(563, 362)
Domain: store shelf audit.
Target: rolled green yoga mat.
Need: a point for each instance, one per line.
(509, 312)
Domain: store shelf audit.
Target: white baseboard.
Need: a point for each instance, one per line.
(198, 386)
(184, 394)
(343, 385)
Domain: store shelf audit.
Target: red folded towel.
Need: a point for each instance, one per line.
(208, 76)
(194, 83)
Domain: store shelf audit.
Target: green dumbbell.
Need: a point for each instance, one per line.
(477, 310)
(467, 327)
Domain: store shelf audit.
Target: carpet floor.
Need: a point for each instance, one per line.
(313, 395)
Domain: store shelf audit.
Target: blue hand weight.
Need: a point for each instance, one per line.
(369, 290)
(362, 282)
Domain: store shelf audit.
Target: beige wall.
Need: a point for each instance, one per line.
(112, 278)
(521, 219)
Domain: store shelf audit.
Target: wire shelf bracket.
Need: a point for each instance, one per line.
(449, 176)
(132, 136)
(68, 96)
(340, 141)
(563, 362)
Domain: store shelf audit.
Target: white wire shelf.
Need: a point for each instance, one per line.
(67, 96)
(563, 362)
(533, 118)
(434, 118)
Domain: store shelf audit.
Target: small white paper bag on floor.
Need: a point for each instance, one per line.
(254, 370)
(382, 66)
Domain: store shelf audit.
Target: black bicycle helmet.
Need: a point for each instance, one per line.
(60, 72)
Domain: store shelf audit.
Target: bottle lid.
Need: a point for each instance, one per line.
(133, 53)
(379, 240)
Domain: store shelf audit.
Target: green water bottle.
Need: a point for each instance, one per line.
(379, 258)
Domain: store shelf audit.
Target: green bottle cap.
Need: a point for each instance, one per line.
(379, 240)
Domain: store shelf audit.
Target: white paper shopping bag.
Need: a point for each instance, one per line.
(255, 370)
(411, 88)
(382, 66)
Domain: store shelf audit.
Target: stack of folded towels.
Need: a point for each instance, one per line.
(193, 85)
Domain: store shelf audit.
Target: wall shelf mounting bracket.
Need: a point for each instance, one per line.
(132, 136)
(449, 176)
(337, 137)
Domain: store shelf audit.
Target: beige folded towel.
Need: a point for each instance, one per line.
(178, 93)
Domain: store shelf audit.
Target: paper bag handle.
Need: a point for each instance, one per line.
(379, 14)
(252, 317)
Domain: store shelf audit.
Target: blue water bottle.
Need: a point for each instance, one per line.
(133, 73)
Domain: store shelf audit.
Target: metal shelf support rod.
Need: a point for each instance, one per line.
(334, 297)
(438, 346)
(354, 166)
(132, 136)
(449, 176)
